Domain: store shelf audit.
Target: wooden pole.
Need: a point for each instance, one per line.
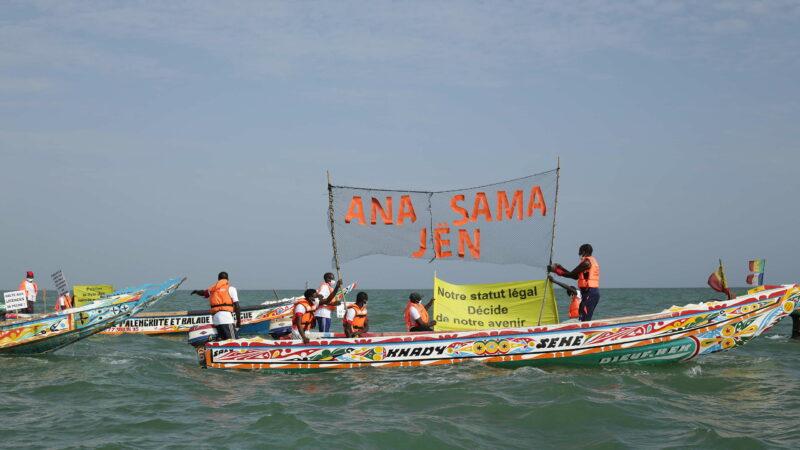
(333, 239)
(547, 285)
(333, 229)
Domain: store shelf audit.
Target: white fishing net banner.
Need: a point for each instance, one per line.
(506, 223)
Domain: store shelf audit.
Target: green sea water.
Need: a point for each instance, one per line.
(148, 392)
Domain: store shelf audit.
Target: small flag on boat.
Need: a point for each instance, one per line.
(718, 282)
(755, 279)
(756, 266)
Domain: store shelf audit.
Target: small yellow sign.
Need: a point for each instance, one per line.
(491, 306)
(87, 294)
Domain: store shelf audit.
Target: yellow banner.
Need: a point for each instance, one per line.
(488, 306)
(90, 293)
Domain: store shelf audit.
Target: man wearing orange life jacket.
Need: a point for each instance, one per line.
(64, 302)
(322, 313)
(224, 301)
(416, 315)
(587, 272)
(31, 290)
(303, 311)
(355, 321)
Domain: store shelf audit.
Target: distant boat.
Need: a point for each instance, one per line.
(255, 319)
(42, 333)
(673, 335)
(271, 316)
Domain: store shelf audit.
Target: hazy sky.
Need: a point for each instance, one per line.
(143, 140)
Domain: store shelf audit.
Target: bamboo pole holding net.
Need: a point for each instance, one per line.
(547, 284)
(333, 234)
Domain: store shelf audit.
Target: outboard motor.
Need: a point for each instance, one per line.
(796, 324)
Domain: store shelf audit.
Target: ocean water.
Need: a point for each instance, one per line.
(148, 392)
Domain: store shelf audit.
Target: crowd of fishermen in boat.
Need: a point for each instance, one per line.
(316, 306)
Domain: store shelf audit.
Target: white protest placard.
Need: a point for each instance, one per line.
(15, 300)
(60, 282)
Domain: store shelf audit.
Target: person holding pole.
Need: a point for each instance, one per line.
(587, 272)
(322, 313)
(303, 311)
(416, 316)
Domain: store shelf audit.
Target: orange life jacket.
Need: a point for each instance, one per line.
(590, 278)
(219, 298)
(35, 288)
(307, 321)
(359, 320)
(423, 315)
(332, 305)
(63, 302)
(574, 307)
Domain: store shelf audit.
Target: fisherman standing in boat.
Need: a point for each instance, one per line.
(303, 311)
(587, 272)
(356, 322)
(64, 302)
(416, 315)
(31, 290)
(322, 314)
(224, 301)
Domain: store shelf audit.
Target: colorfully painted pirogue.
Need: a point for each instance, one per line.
(255, 319)
(676, 334)
(42, 333)
(267, 317)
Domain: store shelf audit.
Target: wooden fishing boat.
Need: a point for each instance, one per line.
(272, 316)
(42, 333)
(256, 319)
(676, 334)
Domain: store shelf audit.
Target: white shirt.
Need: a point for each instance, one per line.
(325, 291)
(351, 314)
(413, 313)
(30, 292)
(226, 317)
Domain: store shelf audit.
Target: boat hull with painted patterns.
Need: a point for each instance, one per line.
(673, 335)
(255, 320)
(43, 333)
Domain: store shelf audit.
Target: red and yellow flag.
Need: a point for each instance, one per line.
(718, 282)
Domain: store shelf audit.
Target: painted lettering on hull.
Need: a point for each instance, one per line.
(415, 352)
(560, 342)
(667, 352)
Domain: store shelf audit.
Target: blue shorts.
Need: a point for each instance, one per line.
(589, 299)
(324, 324)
